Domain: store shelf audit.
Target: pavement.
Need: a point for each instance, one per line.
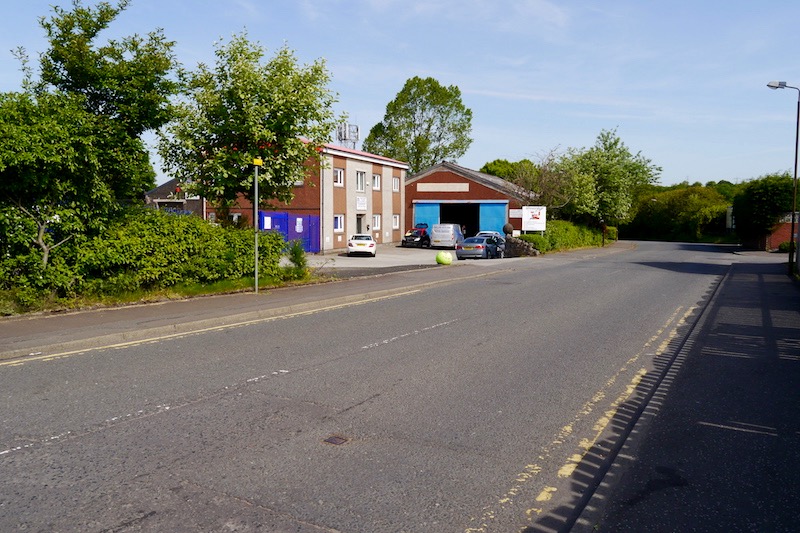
(711, 442)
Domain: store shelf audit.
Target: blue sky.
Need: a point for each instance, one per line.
(682, 82)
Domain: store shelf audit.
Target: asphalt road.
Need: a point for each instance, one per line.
(463, 399)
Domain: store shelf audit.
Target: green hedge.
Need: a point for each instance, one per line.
(152, 249)
(563, 235)
(144, 250)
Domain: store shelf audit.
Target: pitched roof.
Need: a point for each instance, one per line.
(488, 180)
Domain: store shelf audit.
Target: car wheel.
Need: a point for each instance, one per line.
(403, 244)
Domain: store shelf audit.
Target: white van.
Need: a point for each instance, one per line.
(446, 235)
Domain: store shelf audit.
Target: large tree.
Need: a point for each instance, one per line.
(245, 108)
(126, 83)
(606, 179)
(425, 124)
(70, 145)
(760, 204)
(51, 177)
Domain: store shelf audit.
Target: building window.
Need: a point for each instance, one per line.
(395, 221)
(376, 182)
(338, 223)
(376, 222)
(338, 177)
(396, 184)
(361, 181)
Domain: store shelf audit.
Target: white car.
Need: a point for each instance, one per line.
(361, 243)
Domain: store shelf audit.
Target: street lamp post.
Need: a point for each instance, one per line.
(792, 259)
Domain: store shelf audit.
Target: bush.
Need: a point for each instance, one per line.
(298, 269)
(784, 247)
(563, 235)
(152, 249)
(144, 250)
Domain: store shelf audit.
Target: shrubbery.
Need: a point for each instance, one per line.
(563, 235)
(147, 250)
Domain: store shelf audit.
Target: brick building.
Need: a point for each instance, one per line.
(450, 193)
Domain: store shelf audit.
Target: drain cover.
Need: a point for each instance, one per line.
(335, 439)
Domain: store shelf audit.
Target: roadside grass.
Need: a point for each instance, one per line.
(9, 305)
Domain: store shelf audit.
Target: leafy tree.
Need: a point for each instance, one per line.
(50, 170)
(126, 83)
(760, 204)
(682, 213)
(727, 189)
(70, 146)
(549, 181)
(425, 124)
(502, 168)
(606, 178)
(243, 109)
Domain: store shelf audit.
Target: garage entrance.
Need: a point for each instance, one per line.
(465, 215)
(474, 216)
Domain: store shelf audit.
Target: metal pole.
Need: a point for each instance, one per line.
(792, 238)
(255, 224)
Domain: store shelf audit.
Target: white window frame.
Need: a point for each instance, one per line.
(395, 221)
(361, 181)
(338, 223)
(376, 182)
(376, 221)
(396, 184)
(338, 177)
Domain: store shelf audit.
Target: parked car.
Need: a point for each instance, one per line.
(490, 234)
(446, 235)
(362, 243)
(483, 247)
(416, 237)
(501, 245)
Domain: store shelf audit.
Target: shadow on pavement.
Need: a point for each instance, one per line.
(710, 440)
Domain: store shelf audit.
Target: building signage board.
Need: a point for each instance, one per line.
(361, 203)
(534, 218)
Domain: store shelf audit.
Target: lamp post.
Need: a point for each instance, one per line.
(257, 162)
(792, 259)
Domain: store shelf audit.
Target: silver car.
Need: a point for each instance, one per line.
(478, 247)
(501, 241)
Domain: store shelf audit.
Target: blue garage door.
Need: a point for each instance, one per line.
(493, 217)
(427, 213)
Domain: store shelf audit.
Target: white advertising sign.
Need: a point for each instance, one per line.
(534, 218)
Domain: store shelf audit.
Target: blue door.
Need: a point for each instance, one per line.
(492, 217)
(304, 228)
(427, 213)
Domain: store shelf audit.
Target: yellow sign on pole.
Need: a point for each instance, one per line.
(258, 162)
